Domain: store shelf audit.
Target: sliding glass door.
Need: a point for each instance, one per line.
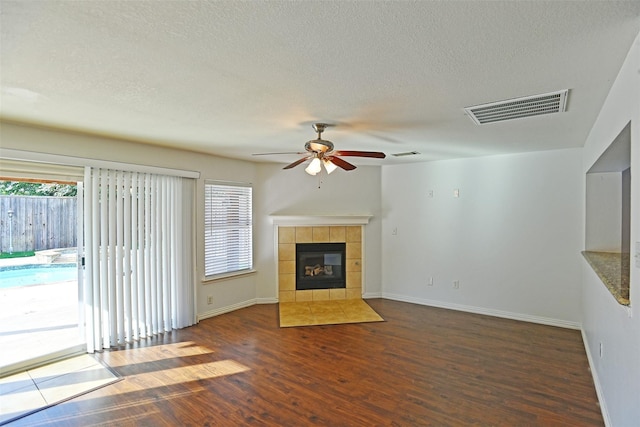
(40, 270)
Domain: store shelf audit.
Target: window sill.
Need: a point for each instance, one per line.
(613, 269)
(227, 276)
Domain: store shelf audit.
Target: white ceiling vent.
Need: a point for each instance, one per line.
(528, 106)
(408, 153)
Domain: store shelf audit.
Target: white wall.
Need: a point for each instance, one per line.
(604, 212)
(617, 372)
(512, 238)
(226, 293)
(293, 192)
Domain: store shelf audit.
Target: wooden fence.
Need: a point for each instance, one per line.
(38, 223)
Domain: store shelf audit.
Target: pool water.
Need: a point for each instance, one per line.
(36, 274)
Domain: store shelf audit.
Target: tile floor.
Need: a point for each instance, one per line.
(35, 389)
(326, 313)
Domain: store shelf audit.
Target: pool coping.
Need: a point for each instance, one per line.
(29, 266)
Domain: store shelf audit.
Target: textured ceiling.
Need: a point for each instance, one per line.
(235, 78)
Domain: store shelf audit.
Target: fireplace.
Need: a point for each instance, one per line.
(320, 266)
(293, 230)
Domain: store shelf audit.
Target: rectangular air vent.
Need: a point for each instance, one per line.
(408, 153)
(528, 106)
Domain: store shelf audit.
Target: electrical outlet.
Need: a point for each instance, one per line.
(209, 300)
(430, 282)
(394, 232)
(456, 284)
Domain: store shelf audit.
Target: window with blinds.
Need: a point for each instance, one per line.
(228, 242)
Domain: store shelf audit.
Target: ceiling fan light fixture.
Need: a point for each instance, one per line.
(321, 151)
(319, 145)
(314, 167)
(329, 166)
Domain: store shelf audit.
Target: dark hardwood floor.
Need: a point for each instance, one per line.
(423, 366)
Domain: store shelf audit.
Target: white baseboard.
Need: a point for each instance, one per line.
(227, 309)
(372, 295)
(271, 300)
(486, 311)
(596, 381)
(234, 307)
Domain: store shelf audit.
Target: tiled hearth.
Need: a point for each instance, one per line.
(287, 239)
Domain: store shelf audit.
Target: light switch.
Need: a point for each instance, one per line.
(456, 193)
(637, 256)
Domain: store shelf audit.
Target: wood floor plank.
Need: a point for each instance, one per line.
(422, 366)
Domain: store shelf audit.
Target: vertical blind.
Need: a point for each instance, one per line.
(228, 228)
(138, 233)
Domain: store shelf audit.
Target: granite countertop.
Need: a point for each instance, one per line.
(613, 270)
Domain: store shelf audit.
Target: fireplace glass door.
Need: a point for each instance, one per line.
(320, 266)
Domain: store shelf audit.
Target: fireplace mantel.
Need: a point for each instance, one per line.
(293, 220)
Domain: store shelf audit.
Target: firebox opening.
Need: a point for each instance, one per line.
(320, 266)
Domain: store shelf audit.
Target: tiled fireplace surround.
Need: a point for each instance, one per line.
(288, 236)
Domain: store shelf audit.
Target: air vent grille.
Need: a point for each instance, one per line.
(408, 153)
(548, 103)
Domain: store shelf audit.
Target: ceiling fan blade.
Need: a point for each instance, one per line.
(284, 152)
(296, 163)
(375, 154)
(341, 163)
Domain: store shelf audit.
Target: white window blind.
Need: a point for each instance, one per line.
(228, 229)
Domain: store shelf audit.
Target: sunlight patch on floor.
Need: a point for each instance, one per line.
(155, 353)
(183, 374)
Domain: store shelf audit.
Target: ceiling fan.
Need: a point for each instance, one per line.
(321, 152)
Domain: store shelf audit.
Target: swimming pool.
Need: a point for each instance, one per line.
(36, 274)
